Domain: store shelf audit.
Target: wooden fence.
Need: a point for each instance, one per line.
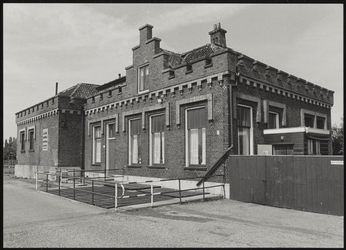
(308, 183)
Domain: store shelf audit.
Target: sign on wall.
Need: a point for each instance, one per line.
(45, 139)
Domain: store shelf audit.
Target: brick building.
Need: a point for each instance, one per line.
(174, 115)
(51, 132)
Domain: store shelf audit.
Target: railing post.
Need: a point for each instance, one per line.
(152, 195)
(74, 185)
(36, 179)
(92, 192)
(59, 184)
(116, 196)
(203, 192)
(179, 190)
(47, 183)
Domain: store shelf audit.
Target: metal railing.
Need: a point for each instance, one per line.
(58, 187)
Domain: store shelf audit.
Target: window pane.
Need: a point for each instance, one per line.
(31, 139)
(22, 137)
(143, 78)
(244, 119)
(193, 146)
(244, 141)
(157, 148)
(157, 123)
(97, 132)
(135, 159)
(111, 130)
(196, 118)
(272, 120)
(310, 146)
(309, 121)
(320, 122)
(135, 127)
(98, 150)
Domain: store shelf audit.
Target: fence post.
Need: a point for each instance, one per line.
(46, 182)
(152, 195)
(203, 192)
(116, 196)
(92, 192)
(59, 184)
(36, 180)
(179, 190)
(74, 185)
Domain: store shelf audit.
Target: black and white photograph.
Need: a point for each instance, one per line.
(167, 125)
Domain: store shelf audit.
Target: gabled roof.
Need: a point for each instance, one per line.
(81, 90)
(195, 54)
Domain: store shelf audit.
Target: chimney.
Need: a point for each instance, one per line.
(119, 75)
(145, 33)
(56, 88)
(217, 36)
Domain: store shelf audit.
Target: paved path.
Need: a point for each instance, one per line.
(37, 219)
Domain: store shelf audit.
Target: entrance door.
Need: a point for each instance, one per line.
(110, 149)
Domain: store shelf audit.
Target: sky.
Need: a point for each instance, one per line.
(92, 43)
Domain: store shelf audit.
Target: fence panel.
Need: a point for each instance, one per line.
(308, 183)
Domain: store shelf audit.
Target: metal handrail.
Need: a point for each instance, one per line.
(211, 171)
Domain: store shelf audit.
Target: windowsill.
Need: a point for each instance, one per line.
(96, 164)
(134, 166)
(188, 72)
(196, 167)
(208, 65)
(22, 151)
(157, 166)
(143, 92)
(31, 150)
(171, 77)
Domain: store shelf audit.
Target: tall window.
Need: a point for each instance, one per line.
(157, 140)
(196, 136)
(244, 130)
(135, 142)
(273, 120)
(31, 139)
(143, 79)
(97, 144)
(22, 141)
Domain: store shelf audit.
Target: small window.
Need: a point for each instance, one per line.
(93, 99)
(320, 122)
(188, 68)
(171, 74)
(110, 93)
(111, 130)
(119, 90)
(245, 130)
(273, 122)
(309, 121)
(208, 62)
(31, 139)
(101, 97)
(143, 78)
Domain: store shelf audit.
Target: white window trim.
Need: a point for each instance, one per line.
(187, 138)
(151, 142)
(138, 79)
(251, 130)
(94, 146)
(314, 114)
(130, 142)
(107, 141)
(276, 118)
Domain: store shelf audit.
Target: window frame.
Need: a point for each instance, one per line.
(22, 140)
(277, 119)
(145, 89)
(310, 144)
(251, 143)
(151, 140)
(95, 144)
(31, 138)
(130, 153)
(203, 141)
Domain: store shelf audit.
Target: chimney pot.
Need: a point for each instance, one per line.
(119, 75)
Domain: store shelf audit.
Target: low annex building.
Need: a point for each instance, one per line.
(175, 114)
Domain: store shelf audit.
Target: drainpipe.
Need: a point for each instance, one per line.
(83, 138)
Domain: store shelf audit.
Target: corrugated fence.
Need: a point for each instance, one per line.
(308, 183)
